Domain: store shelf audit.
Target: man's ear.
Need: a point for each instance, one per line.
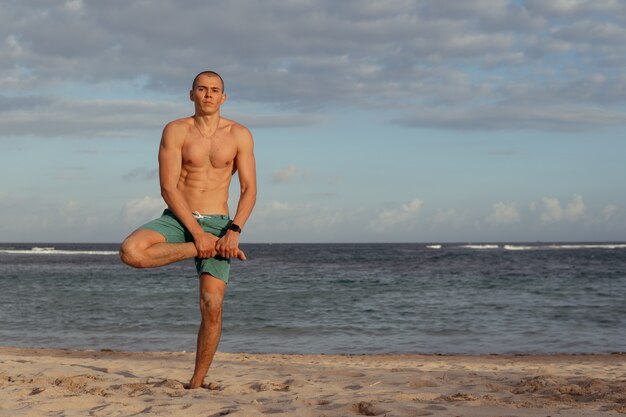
(191, 95)
(223, 97)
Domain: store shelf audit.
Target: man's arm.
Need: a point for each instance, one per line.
(170, 166)
(228, 245)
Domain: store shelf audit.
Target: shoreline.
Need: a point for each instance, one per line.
(37, 382)
(61, 351)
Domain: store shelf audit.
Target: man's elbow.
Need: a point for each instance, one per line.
(166, 192)
(248, 191)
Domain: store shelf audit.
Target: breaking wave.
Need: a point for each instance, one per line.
(48, 250)
(568, 246)
(481, 246)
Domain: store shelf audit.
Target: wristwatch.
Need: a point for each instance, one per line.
(234, 228)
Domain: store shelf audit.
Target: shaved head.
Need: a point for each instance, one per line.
(208, 74)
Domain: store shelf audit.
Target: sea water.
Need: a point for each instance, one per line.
(326, 298)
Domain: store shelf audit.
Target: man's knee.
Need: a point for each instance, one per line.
(132, 253)
(211, 306)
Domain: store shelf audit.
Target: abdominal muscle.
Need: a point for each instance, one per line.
(206, 192)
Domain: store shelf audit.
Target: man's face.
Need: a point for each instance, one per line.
(207, 94)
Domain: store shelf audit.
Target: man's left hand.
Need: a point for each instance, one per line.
(228, 245)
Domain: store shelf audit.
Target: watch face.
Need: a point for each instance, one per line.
(234, 227)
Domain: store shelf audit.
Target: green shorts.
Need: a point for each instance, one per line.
(174, 231)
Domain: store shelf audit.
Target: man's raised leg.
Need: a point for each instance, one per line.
(146, 248)
(211, 300)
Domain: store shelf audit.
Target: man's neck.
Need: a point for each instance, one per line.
(207, 124)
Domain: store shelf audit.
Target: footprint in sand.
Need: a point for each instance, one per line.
(367, 408)
(422, 384)
(270, 386)
(37, 390)
(135, 389)
(170, 383)
(80, 384)
(436, 408)
(224, 412)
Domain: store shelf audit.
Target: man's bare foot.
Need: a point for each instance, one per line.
(193, 384)
(210, 386)
(240, 255)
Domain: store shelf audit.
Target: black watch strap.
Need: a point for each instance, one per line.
(234, 228)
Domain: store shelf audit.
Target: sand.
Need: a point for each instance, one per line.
(57, 382)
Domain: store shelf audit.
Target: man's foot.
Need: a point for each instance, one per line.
(193, 384)
(240, 255)
(210, 386)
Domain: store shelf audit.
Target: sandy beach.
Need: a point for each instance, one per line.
(58, 382)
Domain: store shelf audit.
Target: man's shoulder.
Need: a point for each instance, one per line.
(179, 124)
(178, 128)
(232, 124)
(237, 129)
(175, 132)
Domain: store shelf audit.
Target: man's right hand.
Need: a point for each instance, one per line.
(205, 245)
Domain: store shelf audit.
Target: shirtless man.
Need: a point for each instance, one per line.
(198, 156)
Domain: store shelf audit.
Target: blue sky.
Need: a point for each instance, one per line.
(374, 121)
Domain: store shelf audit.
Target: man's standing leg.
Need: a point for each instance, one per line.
(211, 300)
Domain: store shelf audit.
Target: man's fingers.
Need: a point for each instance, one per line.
(205, 254)
(232, 253)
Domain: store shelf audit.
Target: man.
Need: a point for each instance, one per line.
(198, 156)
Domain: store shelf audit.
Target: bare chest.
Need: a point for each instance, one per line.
(216, 152)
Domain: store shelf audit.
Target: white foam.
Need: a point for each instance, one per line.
(52, 251)
(433, 246)
(568, 246)
(481, 246)
(517, 247)
(591, 246)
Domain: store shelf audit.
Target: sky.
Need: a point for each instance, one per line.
(373, 121)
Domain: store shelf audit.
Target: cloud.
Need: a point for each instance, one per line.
(53, 116)
(541, 116)
(444, 216)
(79, 215)
(278, 206)
(563, 9)
(445, 221)
(299, 222)
(503, 213)
(73, 220)
(141, 174)
(74, 5)
(576, 208)
(553, 212)
(609, 212)
(388, 218)
(285, 175)
(480, 64)
(141, 210)
(279, 120)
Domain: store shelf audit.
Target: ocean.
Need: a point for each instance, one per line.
(501, 298)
